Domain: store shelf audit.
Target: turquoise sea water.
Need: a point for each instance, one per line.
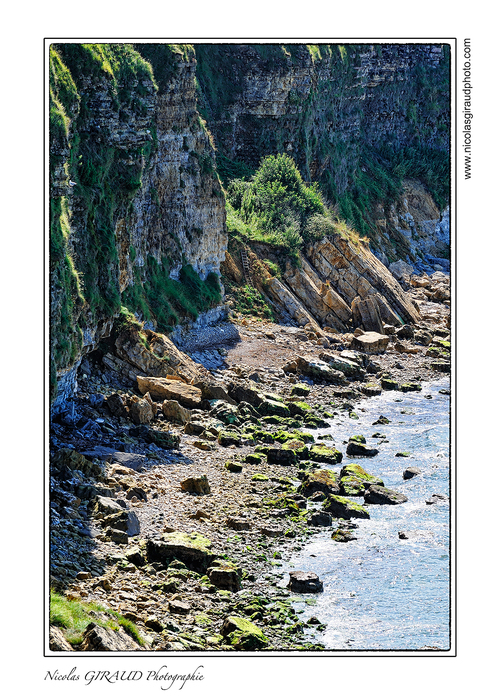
(382, 592)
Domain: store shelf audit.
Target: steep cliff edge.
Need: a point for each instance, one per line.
(139, 207)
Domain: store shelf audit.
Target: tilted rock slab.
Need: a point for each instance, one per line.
(168, 389)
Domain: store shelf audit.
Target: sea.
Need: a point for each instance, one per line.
(383, 591)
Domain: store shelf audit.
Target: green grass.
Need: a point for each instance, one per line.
(75, 616)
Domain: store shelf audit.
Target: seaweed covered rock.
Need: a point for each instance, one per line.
(319, 481)
(193, 549)
(354, 480)
(324, 454)
(242, 634)
(343, 508)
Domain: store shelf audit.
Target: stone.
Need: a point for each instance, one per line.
(175, 412)
(98, 639)
(223, 574)
(66, 460)
(197, 484)
(304, 582)
(229, 438)
(124, 520)
(281, 456)
(437, 499)
(371, 343)
(319, 481)
(376, 494)
(408, 473)
(319, 370)
(388, 383)
(320, 518)
(238, 524)
(57, 641)
(366, 313)
(354, 480)
(106, 506)
(116, 405)
(141, 412)
(343, 508)
(242, 634)
(179, 607)
(193, 549)
(323, 454)
(300, 390)
(343, 364)
(342, 536)
(356, 448)
(168, 389)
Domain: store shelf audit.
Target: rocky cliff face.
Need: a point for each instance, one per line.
(133, 189)
(351, 116)
(137, 208)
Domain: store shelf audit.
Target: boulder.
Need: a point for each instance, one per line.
(366, 313)
(320, 518)
(304, 582)
(193, 549)
(197, 484)
(281, 456)
(323, 454)
(140, 411)
(345, 365)
(242, 634)
(175, 412)
(319, 481)
(319, 370)
(125, 521)
(411, 472)
(371, 343)
(343, 508)
(98, 639)
(354, 480)
(355, 447)
(170, 389)
(376, 494)
(225, 575)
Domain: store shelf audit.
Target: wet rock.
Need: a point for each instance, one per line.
(355, 447)
(343, 364)
(300, 390)
(243, 634)
(229, 438)
(197, 484)
(319, 481)
(304, 582)
(343, 508)
(320, 518)
(225, 575)
(388, 383)
(323, 454)
(343, 536)
(354, 480)
(410, 387)
(437, 499)
(376, 494)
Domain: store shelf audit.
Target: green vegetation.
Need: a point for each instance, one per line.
(159, 296)
(75, 616)
(277, 207)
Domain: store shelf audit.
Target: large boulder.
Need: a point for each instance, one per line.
(242, 634)
(376, 494)
(304, 582)
(141, 411)
(170, 389)
(343, 508)
(357, 447)
(193, 549)
(175, 412)
(319, 481)
(346, 366)
(319, 370)
(98, 639)
(371, 342)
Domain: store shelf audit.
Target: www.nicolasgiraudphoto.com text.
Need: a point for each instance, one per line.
(467, 110)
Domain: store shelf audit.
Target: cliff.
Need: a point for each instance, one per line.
(144, 139)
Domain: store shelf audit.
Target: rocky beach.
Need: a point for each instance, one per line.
(176, 500)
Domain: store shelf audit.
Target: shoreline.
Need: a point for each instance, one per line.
(252, 523)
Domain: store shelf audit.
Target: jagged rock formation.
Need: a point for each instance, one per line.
(137, 209)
